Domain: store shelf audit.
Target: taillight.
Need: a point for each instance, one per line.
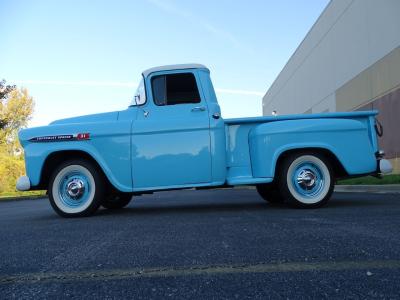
(378, 128)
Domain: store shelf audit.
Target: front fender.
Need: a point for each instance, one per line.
(36, 157)
(109, 145)
(347, 139)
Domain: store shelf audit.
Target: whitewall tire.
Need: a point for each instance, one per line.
(306, 180)
(76, 189)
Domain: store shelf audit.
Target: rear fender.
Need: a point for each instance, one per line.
(346, 139)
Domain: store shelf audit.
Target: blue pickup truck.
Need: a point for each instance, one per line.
(172, 136)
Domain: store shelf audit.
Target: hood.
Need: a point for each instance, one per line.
(102, 117)
(67, 126)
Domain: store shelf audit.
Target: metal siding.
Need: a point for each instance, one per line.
(348, 38)
(389, 109)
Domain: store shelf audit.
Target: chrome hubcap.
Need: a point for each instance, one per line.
(306, 179)
(75, 188)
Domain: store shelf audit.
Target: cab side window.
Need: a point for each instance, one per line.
(175, 89)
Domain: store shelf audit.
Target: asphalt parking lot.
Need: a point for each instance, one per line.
(202, 245)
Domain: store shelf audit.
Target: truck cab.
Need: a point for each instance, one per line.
(172, 136)
(178, 136)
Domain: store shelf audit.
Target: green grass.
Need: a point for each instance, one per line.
(15, 194)
(369, 180)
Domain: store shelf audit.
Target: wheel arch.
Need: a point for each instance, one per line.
(336, 164)
(57, 157)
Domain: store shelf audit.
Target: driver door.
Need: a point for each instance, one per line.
(171, 135)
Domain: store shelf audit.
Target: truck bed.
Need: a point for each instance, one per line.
(340, 115)
(250, 140)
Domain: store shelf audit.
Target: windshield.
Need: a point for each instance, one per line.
(139, 97)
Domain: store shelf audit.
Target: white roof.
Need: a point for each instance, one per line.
(173, 67)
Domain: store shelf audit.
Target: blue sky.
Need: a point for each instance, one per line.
(82, 57)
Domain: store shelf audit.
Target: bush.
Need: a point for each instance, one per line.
(16, 107)
(11, 167)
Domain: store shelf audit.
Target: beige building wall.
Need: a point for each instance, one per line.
(377, 80)
(349, 60)
(349, 38)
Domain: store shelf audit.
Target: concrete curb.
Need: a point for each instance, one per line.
(375, 189)
(22, 198)
(380, 189)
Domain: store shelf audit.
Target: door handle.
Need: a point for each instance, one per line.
(216, 116)
(199, 108)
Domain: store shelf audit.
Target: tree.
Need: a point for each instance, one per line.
(4, 92)
(16, 108)
(5, 89)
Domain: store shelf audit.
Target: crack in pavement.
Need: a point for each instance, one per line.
(199, 270)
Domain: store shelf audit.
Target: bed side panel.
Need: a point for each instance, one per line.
(347, 139)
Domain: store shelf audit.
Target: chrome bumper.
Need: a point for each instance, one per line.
(384, 166)
(23, 184)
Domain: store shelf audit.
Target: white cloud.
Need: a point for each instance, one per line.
(78, 83)
(125, 84)
(169, 7)
(239, 92)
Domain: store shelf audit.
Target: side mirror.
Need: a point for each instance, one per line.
(137, 100)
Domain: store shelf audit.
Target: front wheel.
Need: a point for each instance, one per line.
(76, 189)
(306, 180)
(116, 201)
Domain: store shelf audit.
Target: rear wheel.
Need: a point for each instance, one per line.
(115, 201)
(270, 192)
(306, 180)
(76, 189)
